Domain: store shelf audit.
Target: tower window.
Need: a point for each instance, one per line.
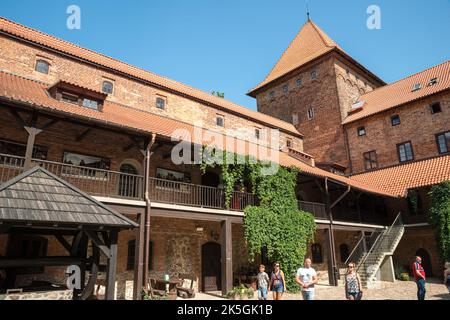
(313, 74)
(285, 88)
(435, 108)
(299, 83)
(361, 131)
(42, 66)
(395, 120)
(405, 152)
(311, 113)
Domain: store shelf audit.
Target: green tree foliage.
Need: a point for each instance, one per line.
(439, 217)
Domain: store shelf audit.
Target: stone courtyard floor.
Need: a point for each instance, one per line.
(399, 290)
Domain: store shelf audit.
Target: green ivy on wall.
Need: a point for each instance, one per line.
(276, 223)
(439, 217)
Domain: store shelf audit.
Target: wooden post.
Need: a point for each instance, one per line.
(32, 133)
(139, 258)
(227, 256)
(332, 271)
(112, 267)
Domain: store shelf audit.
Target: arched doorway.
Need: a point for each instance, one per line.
(211, 267)
(128, 182)
(426, 261)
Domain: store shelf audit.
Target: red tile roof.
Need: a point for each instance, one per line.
(60, 45)
(21, 90)
(401, 92)
(310, 43)
(398, 179)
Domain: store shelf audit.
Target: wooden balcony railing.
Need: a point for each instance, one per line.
(316, 209)
(107, 183)
(197, 195)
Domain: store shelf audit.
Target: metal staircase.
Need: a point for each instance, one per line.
(371, 251)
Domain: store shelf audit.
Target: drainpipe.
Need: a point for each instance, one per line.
(147, 209)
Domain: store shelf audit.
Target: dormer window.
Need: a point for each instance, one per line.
(416, 87)
(70, 98)
(89, 103)
(77, 95)
(107, 87)
(42, 66)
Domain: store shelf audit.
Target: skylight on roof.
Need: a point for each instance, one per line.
(417, 86)
(432, 82)
(358, 105)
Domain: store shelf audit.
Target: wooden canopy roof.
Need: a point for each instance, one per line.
(39, 197)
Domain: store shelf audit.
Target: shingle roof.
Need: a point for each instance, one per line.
(38, 196)
(401, 92)
(398, 179)
(19, 89)
(60, 45)
(310, 43)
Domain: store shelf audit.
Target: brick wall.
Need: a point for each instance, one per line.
(19, 58)
(323, 136)
(418, 125)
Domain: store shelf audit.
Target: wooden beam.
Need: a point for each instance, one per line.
(64, 242)
(40, 262)
(83, 135)
(76, 243)
(111, 269)
(18, 118)
(96, 240)
(41, 231)
(32, 133)
(227, 256)
(49, 124)
(139, 258)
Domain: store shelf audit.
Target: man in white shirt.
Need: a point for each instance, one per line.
(307, 277)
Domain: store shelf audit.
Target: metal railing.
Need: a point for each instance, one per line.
(385, 243)
(361, 248)
(316, 209)
(181, 193)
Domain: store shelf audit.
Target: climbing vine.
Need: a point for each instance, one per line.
(276, 223)
(439, 217)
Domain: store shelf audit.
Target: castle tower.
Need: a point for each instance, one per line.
(313, 85)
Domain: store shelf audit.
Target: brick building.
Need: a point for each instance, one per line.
(395, 136)
(107, 128)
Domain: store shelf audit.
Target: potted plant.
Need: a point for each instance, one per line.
(240, 293)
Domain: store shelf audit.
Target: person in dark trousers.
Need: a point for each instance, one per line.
(419, 277)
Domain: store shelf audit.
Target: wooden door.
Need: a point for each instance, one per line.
(211, 267)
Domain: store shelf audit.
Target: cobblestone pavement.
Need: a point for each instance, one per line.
(387, 291)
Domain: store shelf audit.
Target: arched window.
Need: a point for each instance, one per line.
(343, 249)
(107, 87)
(316, 252)
(42, 66)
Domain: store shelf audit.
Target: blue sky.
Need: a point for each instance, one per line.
(231, 45)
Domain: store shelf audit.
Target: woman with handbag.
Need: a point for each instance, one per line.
(353, 288)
